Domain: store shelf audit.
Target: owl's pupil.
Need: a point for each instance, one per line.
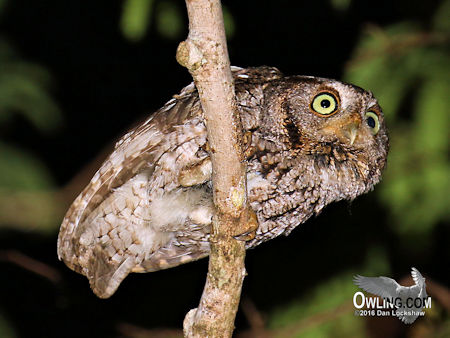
(325, 103)
(371, 122)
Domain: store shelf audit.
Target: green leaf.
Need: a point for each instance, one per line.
(441, 19)
(23, 90)
(6, 330)
(340, 5)
(169, 20)
(22, 171)
(228, 21)
(2, 5)
(417, 173)
(432, 118)
(135, 20)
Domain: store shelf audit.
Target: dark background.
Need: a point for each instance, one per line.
(104, 83)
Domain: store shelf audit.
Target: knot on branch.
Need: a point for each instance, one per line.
(238, 197)
(189, 55)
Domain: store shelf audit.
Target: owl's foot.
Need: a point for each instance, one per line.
(197, 174)
(251, 226)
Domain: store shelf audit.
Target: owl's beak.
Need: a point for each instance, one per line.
(346, 130)
(351, 131)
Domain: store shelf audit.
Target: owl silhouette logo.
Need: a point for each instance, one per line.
(405, 302)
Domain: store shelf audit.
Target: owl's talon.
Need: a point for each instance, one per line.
(251, 227)
(249, 152)
(197, 174)
(248, 236)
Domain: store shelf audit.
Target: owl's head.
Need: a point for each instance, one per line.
(331, 121)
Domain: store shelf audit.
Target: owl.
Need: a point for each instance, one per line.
(310, 141)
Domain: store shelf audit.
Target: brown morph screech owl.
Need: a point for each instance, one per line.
(312, 141)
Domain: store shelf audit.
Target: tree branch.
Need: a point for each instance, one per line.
(204, 53)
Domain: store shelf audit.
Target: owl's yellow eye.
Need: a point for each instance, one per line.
(373, 122)
(324, 104)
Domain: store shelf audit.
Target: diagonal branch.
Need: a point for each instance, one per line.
(204, 53)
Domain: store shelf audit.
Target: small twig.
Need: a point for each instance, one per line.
(31, 210)
(440, 293)
(43, 210)
(255, 320)
(394, 45)
(132, 331)
(252, 314)
(30, 264)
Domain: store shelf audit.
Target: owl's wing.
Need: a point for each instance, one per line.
(381, 286)
(420, 282)
(103, 234)
(417, 276)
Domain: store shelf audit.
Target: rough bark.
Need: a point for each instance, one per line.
(204, 53)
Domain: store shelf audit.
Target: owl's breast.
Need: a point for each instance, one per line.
(285, 189)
